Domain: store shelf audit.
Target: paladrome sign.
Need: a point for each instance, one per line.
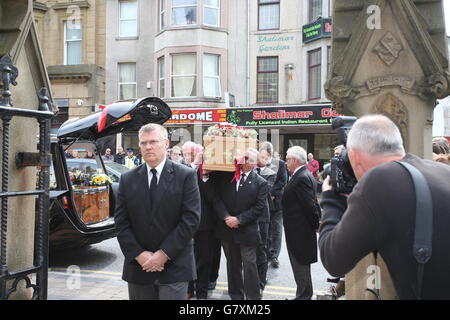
(190, 116)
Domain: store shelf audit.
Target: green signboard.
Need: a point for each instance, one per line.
(320, 28)
(281, 116)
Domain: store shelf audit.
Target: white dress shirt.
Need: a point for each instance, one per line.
(159, 168)
(242, 179)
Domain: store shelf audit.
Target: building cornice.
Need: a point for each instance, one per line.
(80, 4)
(40, 6)
(81, 71)
(194, 27)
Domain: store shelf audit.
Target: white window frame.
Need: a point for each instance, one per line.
(211, 76)
(172, 76)
(66, 41)
(119, 84)
(184, 6)
(161, 76)
(129, 19)
(218, 14)
(162, 13)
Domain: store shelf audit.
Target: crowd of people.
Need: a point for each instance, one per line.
(172, 232)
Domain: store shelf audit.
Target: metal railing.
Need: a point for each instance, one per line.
(10, 280)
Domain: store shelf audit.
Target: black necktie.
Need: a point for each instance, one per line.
(153, 186)
(258, 170)
(242, 181)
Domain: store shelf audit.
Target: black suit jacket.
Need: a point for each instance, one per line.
(248, 204)
(279, 166)
(381, 216)
(208, 219)
(299, 216)
(270, 176)
(169, 225)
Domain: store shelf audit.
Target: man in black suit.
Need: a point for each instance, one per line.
(380, 213)
(301, 220)
(204, 238)
(241, 204)
(262, 256)
(157, 214)
(276, 193)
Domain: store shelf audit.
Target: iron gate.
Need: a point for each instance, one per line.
(42, 159)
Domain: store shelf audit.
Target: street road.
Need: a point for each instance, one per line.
(102, 263)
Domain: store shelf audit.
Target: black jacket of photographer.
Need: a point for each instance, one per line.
(380, 217)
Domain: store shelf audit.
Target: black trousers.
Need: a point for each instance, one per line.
(302, 276)
(157, 291)
(242, 272)
(203, 250)
(216, 255)
(262, 254)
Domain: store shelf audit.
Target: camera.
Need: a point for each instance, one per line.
(342, 176)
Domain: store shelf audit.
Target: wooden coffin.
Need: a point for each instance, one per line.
(220, 152)
(92, 204)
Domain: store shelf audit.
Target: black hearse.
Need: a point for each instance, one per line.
(81, 201)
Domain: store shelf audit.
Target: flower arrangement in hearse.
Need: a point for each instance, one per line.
(224, 144)
(100, 180)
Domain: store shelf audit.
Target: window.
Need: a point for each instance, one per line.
(211, 13)
(127, 81)
(267, 83)
(211, 75)
(161, 78)
(63, 113)
(315, 9)
(269, 14)
(72, 42)
(314, 78)
(128, 19)
(184, 12)
(162, 12)
(184, 75)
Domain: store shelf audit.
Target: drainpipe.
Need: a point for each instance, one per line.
(248, 54)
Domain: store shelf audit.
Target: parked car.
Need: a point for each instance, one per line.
(81, 202)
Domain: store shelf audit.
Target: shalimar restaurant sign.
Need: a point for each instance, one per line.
(320, 28)
(281, 116)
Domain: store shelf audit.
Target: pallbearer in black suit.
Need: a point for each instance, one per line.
(276, 193)
(300, 220)
(157, 214)
(242, 203)
(262, 256)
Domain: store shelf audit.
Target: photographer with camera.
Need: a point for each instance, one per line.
(380, 213)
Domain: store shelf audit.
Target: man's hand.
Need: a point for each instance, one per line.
(232, 222)
(156, 262)
(143, 257)
(198, 159)
(326, 185)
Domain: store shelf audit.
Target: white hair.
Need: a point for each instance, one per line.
(152, 127)
(376, 135)
(189, 144)
(254, 151)
(297, 153)
(266, 146)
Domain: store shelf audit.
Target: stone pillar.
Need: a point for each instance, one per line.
(18, 38)
(389, 57)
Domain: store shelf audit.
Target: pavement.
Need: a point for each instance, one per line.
(76, 284)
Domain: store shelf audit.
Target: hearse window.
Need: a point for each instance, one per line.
(83, 164)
